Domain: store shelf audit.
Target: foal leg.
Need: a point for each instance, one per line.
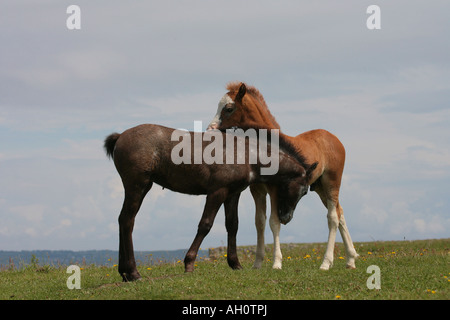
(333, 222)
(231, 223)
(349, 248)
(275, 226)
(259, 196)
(133, 200)
(212, 205)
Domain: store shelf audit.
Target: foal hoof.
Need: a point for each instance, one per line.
(277, 266)
(234, 264)
(188, 268)
(128, 277)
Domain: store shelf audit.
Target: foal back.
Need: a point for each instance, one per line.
(143, 155)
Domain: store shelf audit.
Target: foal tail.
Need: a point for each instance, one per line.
(110, 143)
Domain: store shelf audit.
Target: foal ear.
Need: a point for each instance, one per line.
(241, 92)
(311, 168)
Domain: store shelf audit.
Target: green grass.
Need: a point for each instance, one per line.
(409, 270)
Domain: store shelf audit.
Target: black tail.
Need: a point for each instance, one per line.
(110, 143)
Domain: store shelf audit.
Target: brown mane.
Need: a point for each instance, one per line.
(251, 90)
(283, 143)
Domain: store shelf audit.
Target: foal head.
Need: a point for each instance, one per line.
(242, 106)
(291, 189)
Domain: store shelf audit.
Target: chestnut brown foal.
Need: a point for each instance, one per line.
(244, 106)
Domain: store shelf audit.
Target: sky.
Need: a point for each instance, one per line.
(385, 93)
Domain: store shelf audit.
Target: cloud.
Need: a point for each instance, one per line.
(383, 93)
(70, 67)
(436, 225)
(31, 213)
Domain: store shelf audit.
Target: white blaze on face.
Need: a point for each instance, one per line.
(215, 123)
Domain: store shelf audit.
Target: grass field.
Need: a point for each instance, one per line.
(408, 270)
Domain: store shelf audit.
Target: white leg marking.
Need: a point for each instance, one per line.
(349, 248)
(260, 223)
(333, 223)
(275, 225)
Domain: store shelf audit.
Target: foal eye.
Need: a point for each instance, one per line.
(229, 108)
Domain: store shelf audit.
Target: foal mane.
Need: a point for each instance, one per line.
(262, 106)
(283, 144)
(289, 148)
